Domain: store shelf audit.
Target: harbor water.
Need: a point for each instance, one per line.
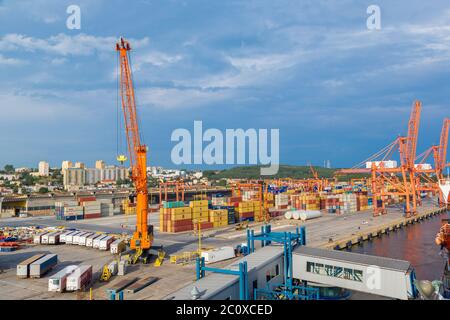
(414, 243)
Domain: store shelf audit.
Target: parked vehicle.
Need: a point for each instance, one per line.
(79, 278)
(58, 281)
(43, 265)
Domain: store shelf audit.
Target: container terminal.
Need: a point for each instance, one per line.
(260, 239)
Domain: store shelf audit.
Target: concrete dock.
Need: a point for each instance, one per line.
(329, 231)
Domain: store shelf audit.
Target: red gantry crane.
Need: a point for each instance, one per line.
(388, 180)
(142, 238)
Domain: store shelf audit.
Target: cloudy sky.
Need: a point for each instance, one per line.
(311, 68)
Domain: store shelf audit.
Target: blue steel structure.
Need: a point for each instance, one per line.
(286, 290)
(242, 273)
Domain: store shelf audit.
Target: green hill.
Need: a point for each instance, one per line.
(253, 172)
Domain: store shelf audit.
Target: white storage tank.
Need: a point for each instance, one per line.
(58, 281)
(296, 215)
(309, 214)
(218, 254)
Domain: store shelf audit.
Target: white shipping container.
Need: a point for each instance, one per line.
(83, 238)
(58, 281)
(423, 166)
(105, 243)
(44, 238)
(96, 243)
(79, 278)
(64, 237)
(54, 238)
(117, 246)
(37, 238)
(69, 237)
(219, 254)
(91, 238)
(76, 238)
(389, 164)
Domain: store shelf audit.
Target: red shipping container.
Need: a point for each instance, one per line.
(204, 225)
(246, 214)
(181, 228)
(92, 215)
(86, 199)
(179, 223)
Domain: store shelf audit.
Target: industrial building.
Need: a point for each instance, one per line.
(264, 268)
(318, 268)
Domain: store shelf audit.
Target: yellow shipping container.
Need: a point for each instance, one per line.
(220, 224)
(204, 214)
(200, 220)
(181, 217)
(199, 209)
(198, 203)
(181, 211)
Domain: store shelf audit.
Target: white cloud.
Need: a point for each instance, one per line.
(155, 58)
(171, 98)
(62, 44)
(11, 61)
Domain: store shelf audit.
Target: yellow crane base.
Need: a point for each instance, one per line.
(106, 274)
(159, 260)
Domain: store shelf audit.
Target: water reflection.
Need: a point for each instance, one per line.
(414, 243)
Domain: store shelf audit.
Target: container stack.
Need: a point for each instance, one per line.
(200, 214)
(281, 201)
(257, 210)
(231, 215)
(128, 207)
(245, 211)
(218, 217)
(332, 204)
(92, 207)
(347, 202)
(219, 200)
(68, 210)
(175, 218)
(106, 209)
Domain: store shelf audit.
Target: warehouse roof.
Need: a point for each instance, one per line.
(213, 283)
(356, 258)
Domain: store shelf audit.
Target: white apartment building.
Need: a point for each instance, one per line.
(43, 168)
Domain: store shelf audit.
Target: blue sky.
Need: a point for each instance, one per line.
(310, 68)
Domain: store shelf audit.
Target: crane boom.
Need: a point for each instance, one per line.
(413, 131)
(143, 235)
(443, 144)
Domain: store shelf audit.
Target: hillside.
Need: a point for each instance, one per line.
(253, 172)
